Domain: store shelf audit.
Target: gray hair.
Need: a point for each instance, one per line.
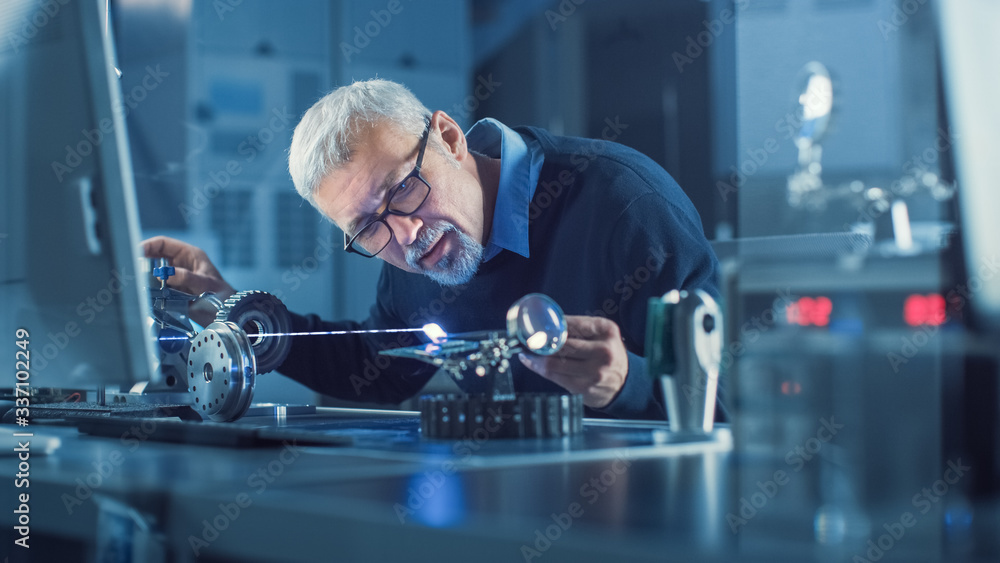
(326, 137)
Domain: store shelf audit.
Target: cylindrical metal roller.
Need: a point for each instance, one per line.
(221, 372)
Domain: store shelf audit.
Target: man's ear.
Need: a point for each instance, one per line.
(452, 136)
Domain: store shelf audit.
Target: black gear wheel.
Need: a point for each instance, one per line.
(528, 415)
(259, 312)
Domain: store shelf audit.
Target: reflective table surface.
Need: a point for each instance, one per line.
(621, 491)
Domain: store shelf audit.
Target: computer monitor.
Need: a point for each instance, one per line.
(70, 274)
(970, 50)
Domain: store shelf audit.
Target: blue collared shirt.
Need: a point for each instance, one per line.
(520, 166)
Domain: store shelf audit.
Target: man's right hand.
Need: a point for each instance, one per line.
(193, 272)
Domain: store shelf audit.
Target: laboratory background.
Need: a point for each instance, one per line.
(838, 400)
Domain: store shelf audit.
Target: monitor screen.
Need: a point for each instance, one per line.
(970, 51)
(71, 282)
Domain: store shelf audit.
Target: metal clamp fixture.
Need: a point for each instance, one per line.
(536, 325)
(684, 349)
(218, 366)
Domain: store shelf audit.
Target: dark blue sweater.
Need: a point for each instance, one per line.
(608, 229)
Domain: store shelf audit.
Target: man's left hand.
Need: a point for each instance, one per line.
(592, 363)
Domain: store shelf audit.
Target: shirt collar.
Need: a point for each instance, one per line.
(520, 166)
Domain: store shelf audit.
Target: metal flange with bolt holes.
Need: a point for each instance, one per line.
(259, 312)
(221, 372)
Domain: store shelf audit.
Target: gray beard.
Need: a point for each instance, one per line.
(457, 268)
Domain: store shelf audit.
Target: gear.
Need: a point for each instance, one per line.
(528, 415)
(259, 312)
(221, 372)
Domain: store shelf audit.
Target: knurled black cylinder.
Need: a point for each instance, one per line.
(480, 417)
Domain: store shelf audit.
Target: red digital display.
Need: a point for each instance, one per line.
(791, 388)
(810, 311)
(924, 310)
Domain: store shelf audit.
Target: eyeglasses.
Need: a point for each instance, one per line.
(404, 199)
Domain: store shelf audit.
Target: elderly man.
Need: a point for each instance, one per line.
(469, 222)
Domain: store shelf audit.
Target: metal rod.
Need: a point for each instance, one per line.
(477, 334)
(333, 332)
(323, 333)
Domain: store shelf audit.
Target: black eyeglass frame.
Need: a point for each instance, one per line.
(415, 173)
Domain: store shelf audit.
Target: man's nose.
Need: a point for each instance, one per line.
(406, 228)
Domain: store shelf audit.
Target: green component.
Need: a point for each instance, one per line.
(660, 338)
